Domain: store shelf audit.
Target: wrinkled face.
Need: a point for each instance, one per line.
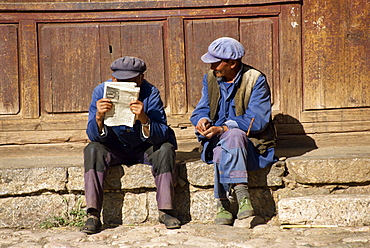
(221, 68)
(226, 68)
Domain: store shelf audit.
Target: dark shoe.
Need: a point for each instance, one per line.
(168, 220)
(245, 209)
(224, 217)
(92, 225)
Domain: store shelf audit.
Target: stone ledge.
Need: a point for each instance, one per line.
(330, 170)
(129, 193)
(339, 210)
(201, 174)
(55, 179)
(49, 183)
(30, 211)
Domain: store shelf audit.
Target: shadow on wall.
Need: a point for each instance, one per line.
(113, 197)
(292, 140)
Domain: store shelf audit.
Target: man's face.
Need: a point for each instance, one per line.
(221, 68)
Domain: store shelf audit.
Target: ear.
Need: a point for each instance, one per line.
(141, 78)
(233, 63)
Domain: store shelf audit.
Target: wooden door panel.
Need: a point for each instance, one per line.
(9, 83)
(198, 35)
(358, 36)
(110, 47)
(336, 55)
(70, 57)
(259, 36)
(145, 40)
(70, 66)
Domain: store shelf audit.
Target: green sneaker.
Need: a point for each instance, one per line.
(245, 209)
(224, 217)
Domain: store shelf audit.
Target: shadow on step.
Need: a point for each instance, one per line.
(292, 140)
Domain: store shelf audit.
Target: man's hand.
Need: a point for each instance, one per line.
(137, 108)
(208, 131)
(103, 105)
(202, 125)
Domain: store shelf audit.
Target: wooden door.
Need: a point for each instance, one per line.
(75, 58)
(315, 56)
(259, 35)
(336, 67)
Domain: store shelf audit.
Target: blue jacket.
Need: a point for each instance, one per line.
(259, 108)
(121, 137)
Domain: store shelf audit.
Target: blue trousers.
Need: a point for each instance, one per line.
(233, 156)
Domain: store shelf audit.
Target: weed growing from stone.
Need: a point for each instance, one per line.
(76, 217)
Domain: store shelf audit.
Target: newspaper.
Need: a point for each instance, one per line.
(121, 94)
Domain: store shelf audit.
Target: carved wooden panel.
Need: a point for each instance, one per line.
(259, 36)
(75, 58)
(260, 39)
(336, 55)
(9, 80)
(70, 66)
(198, 35)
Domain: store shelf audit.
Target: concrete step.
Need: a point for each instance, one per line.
(39, 181)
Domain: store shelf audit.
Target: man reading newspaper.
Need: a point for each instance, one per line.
(149, 140)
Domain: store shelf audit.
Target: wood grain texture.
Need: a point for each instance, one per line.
(290, 62)
(198, 35)
(175, 66)
(145, 40)
(96, 5)
(28, 60)
(70, 66)
(9, 81)
(336, 56)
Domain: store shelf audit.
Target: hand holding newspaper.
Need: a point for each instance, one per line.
(121, 94)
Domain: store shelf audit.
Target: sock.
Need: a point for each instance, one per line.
(241, 191)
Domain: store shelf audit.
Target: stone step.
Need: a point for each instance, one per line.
(34, 187)
(326, 210)
(331, 165)
(37, 182)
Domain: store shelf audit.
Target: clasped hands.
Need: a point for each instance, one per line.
(204, 128)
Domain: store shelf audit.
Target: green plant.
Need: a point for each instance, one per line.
(75, 217)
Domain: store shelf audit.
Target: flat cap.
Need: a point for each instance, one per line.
(223, 48)
(127, 67)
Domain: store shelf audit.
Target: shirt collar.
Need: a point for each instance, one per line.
(238, 75)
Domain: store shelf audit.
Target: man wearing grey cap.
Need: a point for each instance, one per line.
(150, 141)
(233, 123)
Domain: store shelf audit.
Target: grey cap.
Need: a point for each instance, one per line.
(127, 67)
(223, 48)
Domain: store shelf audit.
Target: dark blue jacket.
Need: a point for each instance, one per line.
(121, 137)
